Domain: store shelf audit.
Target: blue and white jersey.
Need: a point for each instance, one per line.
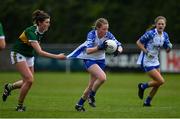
(152, 42)
(92, 41)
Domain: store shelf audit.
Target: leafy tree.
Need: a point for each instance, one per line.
(72, 19)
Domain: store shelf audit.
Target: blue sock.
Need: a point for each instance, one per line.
(144, 86)
(148, 100)
(81, 101)
(92, 93)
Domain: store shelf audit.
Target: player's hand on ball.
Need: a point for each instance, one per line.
(116, 53)
(102, 46)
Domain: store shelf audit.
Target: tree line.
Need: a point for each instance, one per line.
(72, 19)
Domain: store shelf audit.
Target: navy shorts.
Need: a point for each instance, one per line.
(146, 69)
(88, 63)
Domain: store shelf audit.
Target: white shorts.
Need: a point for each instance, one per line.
(17, 57)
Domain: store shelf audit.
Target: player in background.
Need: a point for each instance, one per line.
(150, 44)
(22, 55)
(92, 51)
(2, 38)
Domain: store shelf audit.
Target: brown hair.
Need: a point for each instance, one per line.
(39, 16)
(99, 22)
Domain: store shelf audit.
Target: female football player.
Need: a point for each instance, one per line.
(22, 55)
(92, 51)
(150, 44)
(2, 38)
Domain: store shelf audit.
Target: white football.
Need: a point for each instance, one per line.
(111, 46)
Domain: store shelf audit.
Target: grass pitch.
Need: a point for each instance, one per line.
(54, 95)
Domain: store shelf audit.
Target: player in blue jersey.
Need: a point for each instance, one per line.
(150, 44)
(92, 51)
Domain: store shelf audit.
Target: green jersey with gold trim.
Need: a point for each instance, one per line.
(22, 44)
(1, 32)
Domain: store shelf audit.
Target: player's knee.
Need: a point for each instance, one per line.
(161, 82)
(29, 79)
(102, 78)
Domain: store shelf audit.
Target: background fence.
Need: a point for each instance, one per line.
(125, 62)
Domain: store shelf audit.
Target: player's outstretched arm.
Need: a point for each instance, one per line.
(43, 53)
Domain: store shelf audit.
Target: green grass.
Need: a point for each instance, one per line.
(55, 94)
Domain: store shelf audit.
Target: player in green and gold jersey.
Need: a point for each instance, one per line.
(2, 38)
(22, 55)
